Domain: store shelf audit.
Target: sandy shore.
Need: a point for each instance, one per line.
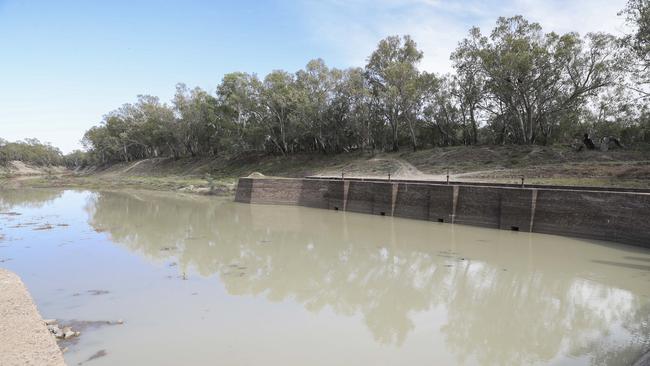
(24, 337)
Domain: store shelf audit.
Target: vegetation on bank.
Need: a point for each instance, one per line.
(517, 91)
(30, 151)
(514, 85)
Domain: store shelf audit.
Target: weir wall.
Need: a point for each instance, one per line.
(618, 216)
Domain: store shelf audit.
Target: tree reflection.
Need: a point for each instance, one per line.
(509, 298)
(31, 198)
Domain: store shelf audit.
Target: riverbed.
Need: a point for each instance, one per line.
(154, 278)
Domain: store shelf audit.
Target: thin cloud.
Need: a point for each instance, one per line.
(353, 28)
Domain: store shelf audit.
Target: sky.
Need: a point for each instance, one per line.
(65, 64)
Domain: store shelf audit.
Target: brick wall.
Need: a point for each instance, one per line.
(606, 215)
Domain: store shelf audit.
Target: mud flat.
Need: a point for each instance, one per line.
(24, 338)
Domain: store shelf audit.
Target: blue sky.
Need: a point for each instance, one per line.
(64, 64)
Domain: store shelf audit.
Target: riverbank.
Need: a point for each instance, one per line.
(24, 337)
(552, 165)
(17, 168)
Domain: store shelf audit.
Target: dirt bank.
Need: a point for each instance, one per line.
(24, 338)
(558, 165)
(17, 168)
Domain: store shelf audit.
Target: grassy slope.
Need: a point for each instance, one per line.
(552, 165)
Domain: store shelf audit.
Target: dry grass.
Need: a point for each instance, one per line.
(506, 164)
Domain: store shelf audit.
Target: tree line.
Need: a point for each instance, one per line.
(31, 151)
(514, 85)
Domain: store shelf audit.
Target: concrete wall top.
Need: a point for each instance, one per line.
(485, 184)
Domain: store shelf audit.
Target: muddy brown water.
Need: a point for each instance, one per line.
(202, 281)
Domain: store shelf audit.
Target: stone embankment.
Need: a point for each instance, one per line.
(24, 336)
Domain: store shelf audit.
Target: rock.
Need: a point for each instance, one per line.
(120, 321)
(189, 188)
(50, 321)
(98, 292)
(69, 334)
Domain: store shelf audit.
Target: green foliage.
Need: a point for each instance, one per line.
(637, 14)
(30, 151)
(399, 90)
(531, 81)
(516, 85)
(77, 159)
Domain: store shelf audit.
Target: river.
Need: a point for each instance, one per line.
(202, 280)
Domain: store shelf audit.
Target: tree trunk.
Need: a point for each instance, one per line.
(395, 142)
(413, 137)
(472, 119)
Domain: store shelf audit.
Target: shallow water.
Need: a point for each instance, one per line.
(202, 281)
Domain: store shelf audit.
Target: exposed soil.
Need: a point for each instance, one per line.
(503, 164)
(24, 338)
(17, 168)
(508, 164)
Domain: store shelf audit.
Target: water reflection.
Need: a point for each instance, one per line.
(32, 198)
(509, 298)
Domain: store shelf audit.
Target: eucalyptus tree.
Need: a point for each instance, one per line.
(468, 84)
(397, 86)
(314, 90)
(443, 114)
(277, 98)
(30, 150)
(201, 126)
(95, 141)
(583, 68)
(188, 126)
(76, 159)
(637, 15)
(134, 131)
(116, 136)
(516, 84)
(352, 125)
(154, 125)
(536, 76)
(238, 94)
